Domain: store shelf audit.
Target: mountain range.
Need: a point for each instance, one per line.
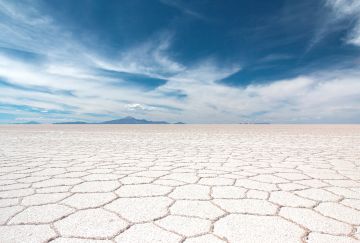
(125, 120)
(27, 123)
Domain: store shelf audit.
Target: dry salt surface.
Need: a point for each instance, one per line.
(179, 183)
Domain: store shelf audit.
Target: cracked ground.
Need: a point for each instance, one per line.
(179, 183)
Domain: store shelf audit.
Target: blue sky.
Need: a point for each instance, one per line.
(198, 61)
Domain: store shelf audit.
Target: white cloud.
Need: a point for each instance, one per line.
(150, 58)
(331, 96)
(138, 107)
(347, 9)
(344, 7)
(354, 37)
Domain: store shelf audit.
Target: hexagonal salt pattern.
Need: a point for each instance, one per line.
(187, 183)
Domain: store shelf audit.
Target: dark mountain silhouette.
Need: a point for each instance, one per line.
(132, 120)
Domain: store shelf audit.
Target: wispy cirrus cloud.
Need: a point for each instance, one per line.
(342, 15)
(150, 57)
(348, 9)
(183, 8)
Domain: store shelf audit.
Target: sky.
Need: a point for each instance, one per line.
(194, 61)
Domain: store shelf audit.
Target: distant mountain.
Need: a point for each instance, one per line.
(28, 123)
(132, 120)
(75, 122)
(125, 120)
(254, 123)
(179, 123)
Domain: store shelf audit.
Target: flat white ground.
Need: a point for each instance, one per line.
(180, 183)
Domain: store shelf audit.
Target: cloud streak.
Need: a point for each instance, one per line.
(178, 5)
(342, 10)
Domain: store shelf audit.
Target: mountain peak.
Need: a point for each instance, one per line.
(124, 120)
(132, 120)
(28, 123)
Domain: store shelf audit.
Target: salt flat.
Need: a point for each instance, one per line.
(179, 183)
